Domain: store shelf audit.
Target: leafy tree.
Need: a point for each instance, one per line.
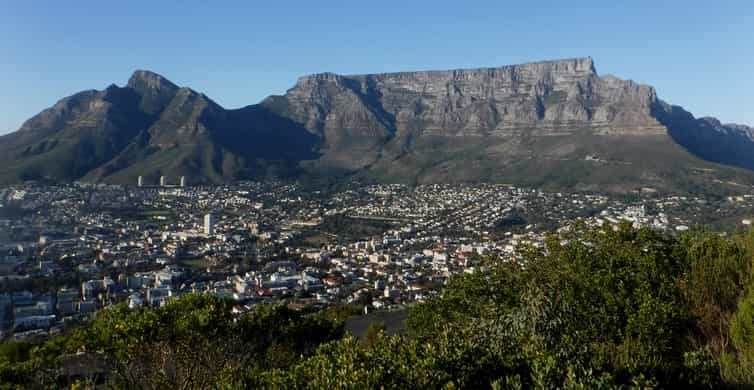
(469, 296)
(612, 299)
(719, 270)
(191, 342)
(738, 366)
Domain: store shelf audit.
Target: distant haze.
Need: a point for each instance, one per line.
(696, 55)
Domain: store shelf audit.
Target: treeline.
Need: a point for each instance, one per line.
(594, 308)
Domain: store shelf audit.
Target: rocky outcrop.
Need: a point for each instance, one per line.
(155, 91)
(539, 98)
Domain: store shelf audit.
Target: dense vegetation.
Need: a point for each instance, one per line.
(595, 308)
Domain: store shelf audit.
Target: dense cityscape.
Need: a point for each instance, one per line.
(69, 250)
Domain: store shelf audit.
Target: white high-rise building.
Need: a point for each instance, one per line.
(209, 224)
(183, 181)
(140, 181)
(163, 181)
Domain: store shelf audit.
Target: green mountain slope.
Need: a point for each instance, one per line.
(151, 128)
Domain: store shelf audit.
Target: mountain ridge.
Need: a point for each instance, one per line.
(579, 62)
(544, 118)
(149, 127)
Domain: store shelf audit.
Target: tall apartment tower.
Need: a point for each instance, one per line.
(183, 181)
(163, 181)
(140, 181)
(209, 224)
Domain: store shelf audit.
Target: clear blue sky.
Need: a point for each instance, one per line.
(698, 54)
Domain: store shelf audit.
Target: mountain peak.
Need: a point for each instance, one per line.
(155, 90)
(142, 80)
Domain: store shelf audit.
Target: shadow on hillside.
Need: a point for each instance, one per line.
(706, 138)
(255, 132)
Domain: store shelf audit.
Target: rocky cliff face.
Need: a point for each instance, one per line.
(385, 121)
(539, 98)
(543, 122)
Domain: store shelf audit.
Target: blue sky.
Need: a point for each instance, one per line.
(698, 54)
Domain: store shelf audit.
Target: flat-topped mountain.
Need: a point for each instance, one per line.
(541, 98)
(553, 123)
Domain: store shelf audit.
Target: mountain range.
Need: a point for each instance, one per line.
(555, 124)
